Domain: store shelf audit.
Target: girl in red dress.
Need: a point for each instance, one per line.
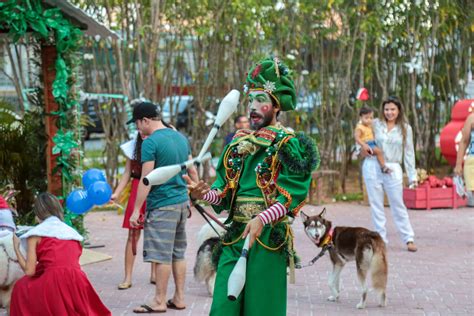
(133, 169)
(54, 283)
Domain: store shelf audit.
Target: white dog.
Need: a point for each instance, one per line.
(10, 270)
(204, 270)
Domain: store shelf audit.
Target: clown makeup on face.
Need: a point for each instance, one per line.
(261, 110)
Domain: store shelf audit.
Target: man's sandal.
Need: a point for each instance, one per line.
(146, 309)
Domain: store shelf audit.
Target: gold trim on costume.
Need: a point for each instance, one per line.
(249, 199)
(244, 212)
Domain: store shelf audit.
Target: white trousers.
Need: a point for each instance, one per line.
(376, 182)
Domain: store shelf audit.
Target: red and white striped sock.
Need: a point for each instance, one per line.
(273, 213)
(212, 197)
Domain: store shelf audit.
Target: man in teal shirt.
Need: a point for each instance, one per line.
(167, 206)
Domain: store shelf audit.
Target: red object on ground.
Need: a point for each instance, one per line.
(427, 197)
(59, 286)
(450, 136)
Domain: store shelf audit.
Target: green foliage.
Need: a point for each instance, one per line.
(22, 159)
(417, 50)
(348, 197)
(49, 26)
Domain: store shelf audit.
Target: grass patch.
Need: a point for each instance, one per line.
(349, 197)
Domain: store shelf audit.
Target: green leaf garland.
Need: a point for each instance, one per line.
(20, 17)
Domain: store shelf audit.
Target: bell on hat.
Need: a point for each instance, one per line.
(362, 94)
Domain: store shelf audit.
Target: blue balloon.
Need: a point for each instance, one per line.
(91, 176)
(78, 201)
(99, 192)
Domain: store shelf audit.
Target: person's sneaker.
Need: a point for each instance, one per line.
(411, 246)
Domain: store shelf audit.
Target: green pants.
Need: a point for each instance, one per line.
(265, 286)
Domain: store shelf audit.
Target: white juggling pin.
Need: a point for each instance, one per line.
(226, 108)
(237, 277)
(162, 174)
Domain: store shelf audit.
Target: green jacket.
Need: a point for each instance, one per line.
(273, 163)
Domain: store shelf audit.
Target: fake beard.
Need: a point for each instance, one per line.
(262, 120)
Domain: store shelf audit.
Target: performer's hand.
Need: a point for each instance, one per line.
(254, 228)
(135, 219)
(197, 190)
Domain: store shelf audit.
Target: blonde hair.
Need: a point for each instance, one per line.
(47, 205)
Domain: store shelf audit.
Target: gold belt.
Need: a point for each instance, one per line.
(245, 208)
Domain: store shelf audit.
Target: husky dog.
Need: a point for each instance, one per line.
(346, 244)
(204, 270)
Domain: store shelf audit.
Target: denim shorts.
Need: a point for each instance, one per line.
(164, 234)
(371, 143)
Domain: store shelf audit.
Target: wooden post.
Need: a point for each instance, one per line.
(48, 59)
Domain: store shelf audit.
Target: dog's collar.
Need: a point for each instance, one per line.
(328, 239)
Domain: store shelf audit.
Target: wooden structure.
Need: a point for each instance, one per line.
(48, 58)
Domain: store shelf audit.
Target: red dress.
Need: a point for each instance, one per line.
(136, 172)
(131, 204)
(59, 286)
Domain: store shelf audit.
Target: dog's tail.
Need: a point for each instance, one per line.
(204, 266)
(379, 269)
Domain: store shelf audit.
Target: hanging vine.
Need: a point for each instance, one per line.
(50, 26)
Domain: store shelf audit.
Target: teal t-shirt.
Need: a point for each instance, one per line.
(166, 147)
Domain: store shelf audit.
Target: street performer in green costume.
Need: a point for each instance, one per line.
(263, 178)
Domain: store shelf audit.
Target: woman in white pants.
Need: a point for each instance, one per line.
(395, 137)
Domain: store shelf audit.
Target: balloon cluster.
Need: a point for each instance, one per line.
(96, 192)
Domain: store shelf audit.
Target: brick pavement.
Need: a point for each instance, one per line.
(436, 280)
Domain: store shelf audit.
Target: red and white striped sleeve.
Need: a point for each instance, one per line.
(212, 197)
(273, 213)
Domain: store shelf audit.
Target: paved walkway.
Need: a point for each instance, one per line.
(436, 280)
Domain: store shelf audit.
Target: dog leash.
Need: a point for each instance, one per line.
(321, 253)
(205, 214)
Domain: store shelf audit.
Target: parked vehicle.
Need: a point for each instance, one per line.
(93, 122)
(181, 107)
